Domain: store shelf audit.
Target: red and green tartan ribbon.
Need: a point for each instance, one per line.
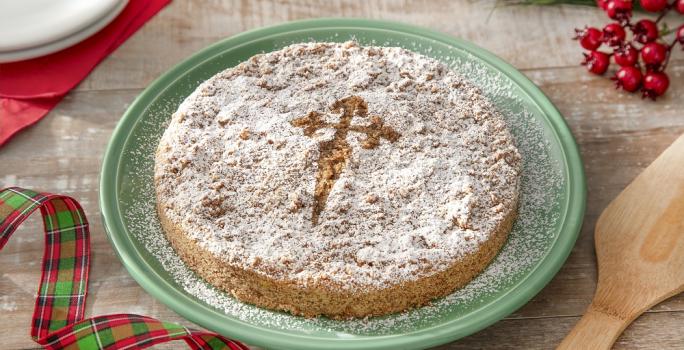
(60, 304)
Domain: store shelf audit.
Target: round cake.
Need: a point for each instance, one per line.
(336, 179)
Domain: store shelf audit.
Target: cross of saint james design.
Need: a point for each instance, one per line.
(334, 153)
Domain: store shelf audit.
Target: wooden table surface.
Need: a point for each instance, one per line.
(619, 134)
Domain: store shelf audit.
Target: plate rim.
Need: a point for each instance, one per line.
(517, 296)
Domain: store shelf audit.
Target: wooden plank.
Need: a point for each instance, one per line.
(509, 31)
(617, 141)
(651, 331)
(618, 133)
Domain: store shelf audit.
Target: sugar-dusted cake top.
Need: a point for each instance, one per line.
(363, 166)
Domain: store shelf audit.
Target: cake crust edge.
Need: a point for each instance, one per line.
(325, 297)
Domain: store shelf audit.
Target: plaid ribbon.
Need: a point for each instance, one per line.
(58, 314)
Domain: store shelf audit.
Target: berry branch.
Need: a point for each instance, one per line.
(642, 59)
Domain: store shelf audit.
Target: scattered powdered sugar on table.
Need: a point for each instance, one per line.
(541, 182)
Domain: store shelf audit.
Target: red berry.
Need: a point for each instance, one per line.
(628, 78)
(680, 35)
(645, 31)
(653, 5)
(626, 55)
(655, 84)
(654, 54)
(602, 4)
(596, 62)
(678, 5)
(613, 34)
(620, 10)
(589, 37)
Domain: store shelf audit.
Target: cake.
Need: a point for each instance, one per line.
(337, 179)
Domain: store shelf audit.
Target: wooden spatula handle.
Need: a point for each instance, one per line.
(595, 330)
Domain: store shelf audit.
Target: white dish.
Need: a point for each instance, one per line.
(59, 34)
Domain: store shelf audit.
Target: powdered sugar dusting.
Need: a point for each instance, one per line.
(541, 181)
(239, 178)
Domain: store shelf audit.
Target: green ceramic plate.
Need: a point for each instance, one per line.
(550, 214)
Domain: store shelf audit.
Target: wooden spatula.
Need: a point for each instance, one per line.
(640, 250)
